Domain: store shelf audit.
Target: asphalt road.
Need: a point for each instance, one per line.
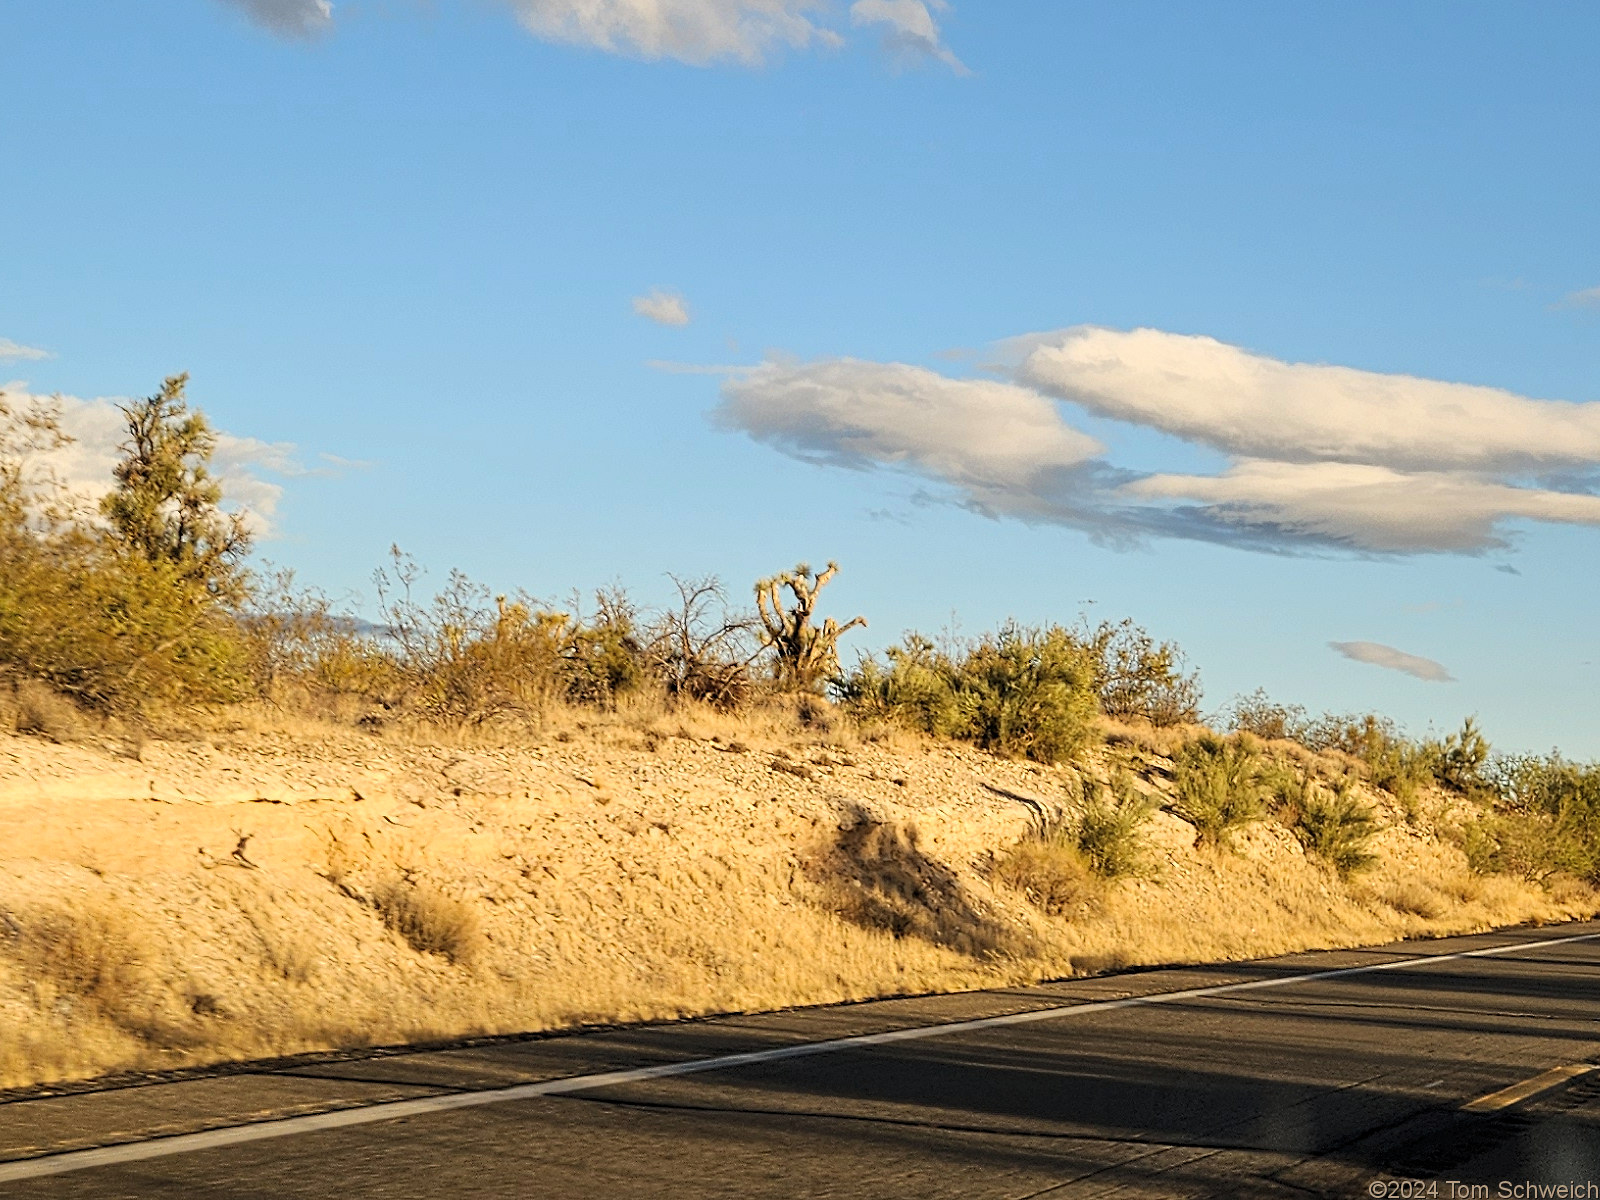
(1290, 1077)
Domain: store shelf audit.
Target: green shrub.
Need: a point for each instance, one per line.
(917, 690)
(1029, 693)
(1218, 788)
(135, 613)
(1460, 760)
(1109, 832)
(1544, 820)
(1024, 692)
(1336, 827)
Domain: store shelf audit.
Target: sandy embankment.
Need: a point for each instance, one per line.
(253, 893)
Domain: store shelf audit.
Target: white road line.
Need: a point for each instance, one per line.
(188, 1143)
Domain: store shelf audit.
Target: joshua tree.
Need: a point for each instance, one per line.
(806, 654)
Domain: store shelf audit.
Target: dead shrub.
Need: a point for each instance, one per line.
(40, 711)
(428, 920)
(1052, 873)
(90, 957)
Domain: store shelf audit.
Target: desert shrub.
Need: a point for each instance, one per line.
(1028, 693)
(1335, 826)
(699, 649)
(466, 656)
(1109, 832)
(113, 631)
(602, 657)
(88, 957)
(917, 689)
(135, 611)
(1459, 761)
(297, 639)
(1261, 716)
(1543, 821)
(1048, 868)
(1024, 692)
(1217, 788)
(1138, 677)
(1059, 863)
(428, 920)
(1284, 787)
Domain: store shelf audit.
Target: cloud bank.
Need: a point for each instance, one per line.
(1379, 655)
(1321, 458)
(83, 466)
(662, 307)
(1206, 391)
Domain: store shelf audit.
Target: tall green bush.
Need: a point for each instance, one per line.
(1021, 691)
(1218, 788)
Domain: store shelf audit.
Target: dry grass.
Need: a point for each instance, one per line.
(482, 885)
(1053, 874)
(429, 921)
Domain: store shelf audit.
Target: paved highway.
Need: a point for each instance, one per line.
(1463, 1062)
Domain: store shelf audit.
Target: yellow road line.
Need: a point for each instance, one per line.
(1527, 1089)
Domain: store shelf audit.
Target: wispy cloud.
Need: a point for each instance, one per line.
(696, 32)
(662, 307)
(668, 367)
(10, 351)
(1583, 298)
(1379, 655)
(287, 18)
(690, 31)
(1323, 459)
(911, 30)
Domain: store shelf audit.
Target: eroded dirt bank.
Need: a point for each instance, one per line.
(251, 893)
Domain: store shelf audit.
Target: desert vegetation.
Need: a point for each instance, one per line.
(525, 813)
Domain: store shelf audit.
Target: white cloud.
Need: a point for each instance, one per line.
(1584, 298)
(698, 32)
(1206, 391)
(912, 30)
(83, 466)
(690, 31)
(1379, 655)
(10, 350)
(662, 307)
(1323, 458)
(999, 445)
(1368, 508)
(288, 18)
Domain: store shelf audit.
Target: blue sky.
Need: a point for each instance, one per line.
(398, 245)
